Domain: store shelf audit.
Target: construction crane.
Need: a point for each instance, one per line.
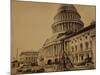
(66, 62)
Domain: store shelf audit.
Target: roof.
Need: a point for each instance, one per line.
(53, 39)
(15, 61)
(28, 53)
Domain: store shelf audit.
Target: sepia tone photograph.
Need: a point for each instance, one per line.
(52, 37)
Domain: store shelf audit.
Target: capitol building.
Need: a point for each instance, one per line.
(71, 43)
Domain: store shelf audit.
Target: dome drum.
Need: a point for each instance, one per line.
(67, 27)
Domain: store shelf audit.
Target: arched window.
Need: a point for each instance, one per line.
(56, 61)
(76, 57)
(87, 55)
(81, 47)
(82, 57)
(49, 62)
(87, 45)
(72, 49)
(76, 47)
(86, 37)
(64, 26)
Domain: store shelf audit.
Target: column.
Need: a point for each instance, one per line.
(62, 27)
(71, 26)
(67, 27)
(59, 27)
(54, 29)
(78, 27)
(53, 49)
(74, 27)
(78, 58)
(56, 49)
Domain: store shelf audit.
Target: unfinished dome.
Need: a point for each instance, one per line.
(67, 20)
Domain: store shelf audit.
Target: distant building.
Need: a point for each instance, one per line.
(29, 58)
(70, 37)
(15, 64)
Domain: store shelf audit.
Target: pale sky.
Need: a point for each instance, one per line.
(31, 23)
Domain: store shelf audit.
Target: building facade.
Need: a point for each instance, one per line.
(29, 58)
(70, 39)
(82, 45)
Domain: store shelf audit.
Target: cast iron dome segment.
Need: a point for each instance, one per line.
(67, 7)
(67, 19)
